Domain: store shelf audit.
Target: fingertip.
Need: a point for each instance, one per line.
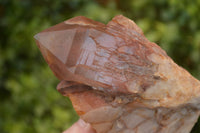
(80, 127)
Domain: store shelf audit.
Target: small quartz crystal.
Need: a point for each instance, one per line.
(117, 80)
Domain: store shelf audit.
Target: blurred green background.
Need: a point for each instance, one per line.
(29, 102)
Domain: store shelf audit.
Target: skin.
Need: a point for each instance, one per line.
(80, 127)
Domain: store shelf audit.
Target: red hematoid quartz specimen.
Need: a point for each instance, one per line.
(117, 80)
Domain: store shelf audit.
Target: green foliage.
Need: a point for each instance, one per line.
(29, 101)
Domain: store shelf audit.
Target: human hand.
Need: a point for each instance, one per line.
(80, 127)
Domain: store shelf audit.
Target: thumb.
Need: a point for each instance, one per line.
(80, 127)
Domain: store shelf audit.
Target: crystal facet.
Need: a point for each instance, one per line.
(117, 80)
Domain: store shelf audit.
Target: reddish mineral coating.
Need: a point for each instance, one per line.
(117, 80)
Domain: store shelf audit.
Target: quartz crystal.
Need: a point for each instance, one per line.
(117, 80)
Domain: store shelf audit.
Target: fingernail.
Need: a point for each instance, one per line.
(86, 126)
(82, 123)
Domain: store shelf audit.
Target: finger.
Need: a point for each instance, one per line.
(80, 127)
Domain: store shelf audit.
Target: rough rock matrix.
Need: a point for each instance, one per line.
(117, 80)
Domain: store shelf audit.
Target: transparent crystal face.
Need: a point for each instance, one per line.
(99, 53)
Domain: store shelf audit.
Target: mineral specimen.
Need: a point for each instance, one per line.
(117, 80)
